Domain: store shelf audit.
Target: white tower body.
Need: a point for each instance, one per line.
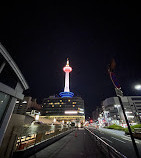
(67, 69)
(67, 89)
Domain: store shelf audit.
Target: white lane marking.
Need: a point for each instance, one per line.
(125, 138)
(118, 139)
(129, 139)
(106, 139)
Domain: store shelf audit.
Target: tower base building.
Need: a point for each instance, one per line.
(64, 109)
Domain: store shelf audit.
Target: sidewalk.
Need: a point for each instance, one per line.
(77, 144)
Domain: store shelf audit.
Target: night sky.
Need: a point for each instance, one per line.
(40, 37)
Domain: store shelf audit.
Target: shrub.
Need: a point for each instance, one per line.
(132, 128)
(116, 127)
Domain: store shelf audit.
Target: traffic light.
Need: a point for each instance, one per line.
(91, 121)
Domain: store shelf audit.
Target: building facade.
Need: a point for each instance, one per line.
(64, 109)
(12, 85)
(113, 112)
(96, 112)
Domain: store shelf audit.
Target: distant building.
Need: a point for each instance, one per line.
(132, 106)
(96, 112)
(64, 109)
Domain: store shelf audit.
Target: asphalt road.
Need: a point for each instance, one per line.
(118, 140)
(77, 144)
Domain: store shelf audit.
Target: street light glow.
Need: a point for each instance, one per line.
(37, 117)
(137, 87)
(54, 120)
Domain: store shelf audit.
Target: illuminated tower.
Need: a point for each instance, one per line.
(67, 69)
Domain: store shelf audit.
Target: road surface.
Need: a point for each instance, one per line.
(77, 144)
(118, 140)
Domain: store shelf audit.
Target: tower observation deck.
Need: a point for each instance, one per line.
(67, 69)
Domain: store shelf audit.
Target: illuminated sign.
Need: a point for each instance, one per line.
(71, 112)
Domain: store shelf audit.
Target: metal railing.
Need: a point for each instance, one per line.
(108, 150)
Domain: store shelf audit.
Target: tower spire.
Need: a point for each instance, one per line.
(67, 62)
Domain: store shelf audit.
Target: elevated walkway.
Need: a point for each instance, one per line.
(77, 144)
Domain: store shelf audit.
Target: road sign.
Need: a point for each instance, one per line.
(119, 92)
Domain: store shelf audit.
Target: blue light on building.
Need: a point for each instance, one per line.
(66, 94)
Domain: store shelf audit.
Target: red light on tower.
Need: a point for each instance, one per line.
(67, 68)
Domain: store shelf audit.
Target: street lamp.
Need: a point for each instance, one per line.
(137, 87)
(37, 117)
(54, 120)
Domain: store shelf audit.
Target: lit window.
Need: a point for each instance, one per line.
(57, 103)
(24, 102)
(68, 100)
(21, 105)
(73, 105)
(60, 105)
(52, 105)
(74, 102)
(60, 100)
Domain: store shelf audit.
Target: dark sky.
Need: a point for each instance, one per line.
(40, 37)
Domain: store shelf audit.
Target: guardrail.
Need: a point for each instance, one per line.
(108, 150)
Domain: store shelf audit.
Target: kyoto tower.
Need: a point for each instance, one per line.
(67, 69)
